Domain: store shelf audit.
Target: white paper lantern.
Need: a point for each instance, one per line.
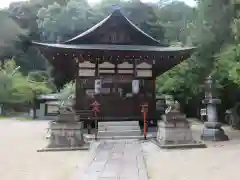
(98, 86)
(135, 86)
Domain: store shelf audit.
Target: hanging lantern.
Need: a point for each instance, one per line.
(98, 86)
(135, 86)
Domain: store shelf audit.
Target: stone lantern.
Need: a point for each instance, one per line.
(212, 128)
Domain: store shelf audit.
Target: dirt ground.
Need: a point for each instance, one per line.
(219, 161)
(20, 161)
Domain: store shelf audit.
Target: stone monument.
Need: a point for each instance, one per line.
(66, 133)
(174, 131)
(212, 128)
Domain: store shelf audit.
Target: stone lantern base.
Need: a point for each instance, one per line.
(213, 132)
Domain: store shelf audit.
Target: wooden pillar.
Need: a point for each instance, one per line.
(76, 84)
(76, 106)
(95, 105)
(154, 95)
(135, 98)
(97, 69)
(134, 69)
(78, 87)
(97, 76)
(115, 85)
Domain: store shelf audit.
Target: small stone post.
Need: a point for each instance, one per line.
(212, 130)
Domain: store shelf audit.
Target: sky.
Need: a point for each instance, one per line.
(5, 3)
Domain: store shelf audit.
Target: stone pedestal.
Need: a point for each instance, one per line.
(66, 134)
(175, 132)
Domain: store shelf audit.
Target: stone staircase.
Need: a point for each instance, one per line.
(119, 130)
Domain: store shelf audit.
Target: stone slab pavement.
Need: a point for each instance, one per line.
(116, 160)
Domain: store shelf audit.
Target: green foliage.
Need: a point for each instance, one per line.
(38, 76)
(210, 31)
(227, 67)
(182, 81)
(10, 35)
(57, 22)
(175, 18)
(16, 88)
(23, 14)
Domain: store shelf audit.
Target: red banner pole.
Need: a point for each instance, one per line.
(145, 125)
(96, 110)
(95, 122)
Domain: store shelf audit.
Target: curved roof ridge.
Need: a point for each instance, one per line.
(101, 23)
(93, 28)
(141, 31)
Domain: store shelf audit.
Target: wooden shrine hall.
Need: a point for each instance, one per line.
(115, 63)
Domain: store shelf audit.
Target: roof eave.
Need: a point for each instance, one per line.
(110, 47)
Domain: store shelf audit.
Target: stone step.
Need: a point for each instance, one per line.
(91, 137)
(116, 138)
(119, 133)
(118, 123)
(118, 128)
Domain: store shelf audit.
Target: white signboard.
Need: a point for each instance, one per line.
(98, 86)
(203, 112)
(52, 109)
(135, 86)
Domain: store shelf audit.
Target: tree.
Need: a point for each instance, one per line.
(11, 35)
(209, 36)
(227, 65)
(23, 14)
(210, 31)
(16, 88)
(175, 18)
(57, 23)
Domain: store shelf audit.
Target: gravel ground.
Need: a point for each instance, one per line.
(20, 161)
(219, 161)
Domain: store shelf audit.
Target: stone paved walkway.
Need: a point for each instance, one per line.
(117, 160)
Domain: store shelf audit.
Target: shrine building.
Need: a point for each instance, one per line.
(115, 63)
